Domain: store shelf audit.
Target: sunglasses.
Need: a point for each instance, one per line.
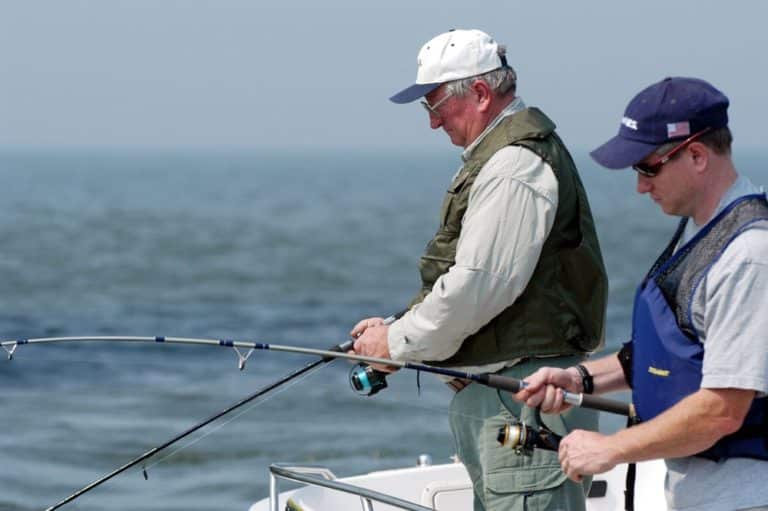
(432, 109)
(653, 169)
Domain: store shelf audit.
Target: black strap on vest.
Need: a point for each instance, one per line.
(629, 490)
(625, 360)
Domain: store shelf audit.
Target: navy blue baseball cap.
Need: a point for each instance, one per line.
(672, 109)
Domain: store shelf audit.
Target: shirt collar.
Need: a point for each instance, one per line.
(741, 187)
(515, 106)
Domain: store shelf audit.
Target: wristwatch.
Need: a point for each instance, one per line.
(587, 384)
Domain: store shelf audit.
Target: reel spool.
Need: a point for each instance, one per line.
(523, 439)
(367, 381)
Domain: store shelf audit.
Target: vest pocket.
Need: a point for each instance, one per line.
(438, 257)
(455, 202)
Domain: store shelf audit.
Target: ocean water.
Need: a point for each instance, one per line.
(269, 247)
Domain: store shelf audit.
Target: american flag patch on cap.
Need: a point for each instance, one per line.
(678, 129)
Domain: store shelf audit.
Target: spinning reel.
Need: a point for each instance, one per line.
(367, 381)
(523, 439)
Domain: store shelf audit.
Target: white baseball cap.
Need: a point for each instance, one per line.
(453, 55)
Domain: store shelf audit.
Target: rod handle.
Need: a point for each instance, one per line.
(584, 400)
(348, 345)
(340, 348)
(599, 403)
(502, 382)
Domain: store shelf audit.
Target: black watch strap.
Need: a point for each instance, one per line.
(587, 384)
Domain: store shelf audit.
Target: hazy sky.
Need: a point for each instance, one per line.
(252, 73)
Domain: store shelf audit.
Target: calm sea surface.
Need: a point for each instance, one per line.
(288, 249)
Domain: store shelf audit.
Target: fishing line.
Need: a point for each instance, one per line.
(213, 429)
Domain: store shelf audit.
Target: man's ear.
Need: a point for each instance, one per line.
(482, 94)
(699, 155)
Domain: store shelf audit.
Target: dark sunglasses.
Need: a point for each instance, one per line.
(653, 169)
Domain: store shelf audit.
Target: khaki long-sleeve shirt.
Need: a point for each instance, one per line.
(510, 213)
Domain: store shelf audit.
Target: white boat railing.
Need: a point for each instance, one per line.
(318, 476)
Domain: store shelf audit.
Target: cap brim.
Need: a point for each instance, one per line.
(414, 92)
(620, 153)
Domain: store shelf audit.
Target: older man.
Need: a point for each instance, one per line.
(698, 359)
(512, 279)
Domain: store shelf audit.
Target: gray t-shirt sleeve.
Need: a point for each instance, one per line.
(730, 313)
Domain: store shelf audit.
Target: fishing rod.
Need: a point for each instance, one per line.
(488, 379)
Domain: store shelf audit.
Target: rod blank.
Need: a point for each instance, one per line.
(491, 380)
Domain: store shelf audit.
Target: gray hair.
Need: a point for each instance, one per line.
(500, 80)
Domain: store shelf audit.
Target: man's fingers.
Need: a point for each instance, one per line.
(358, 329)
(549, 401)
(544, 398)
(539, 379)
(565, 462)
(535, 400)
(365, 324)
(524, 396)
